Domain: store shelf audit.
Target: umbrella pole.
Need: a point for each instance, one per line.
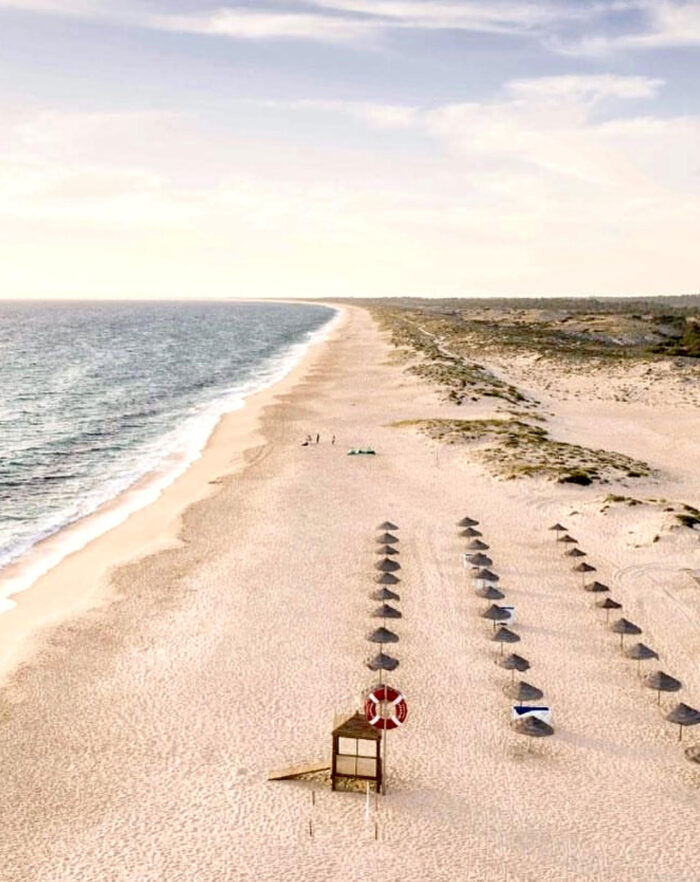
(658, 701)
(680, 732)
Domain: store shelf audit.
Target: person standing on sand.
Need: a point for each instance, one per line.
(333, 440)
(318, 437)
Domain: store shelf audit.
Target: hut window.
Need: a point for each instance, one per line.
(356, 756)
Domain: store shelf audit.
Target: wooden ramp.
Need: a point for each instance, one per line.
(297, 771)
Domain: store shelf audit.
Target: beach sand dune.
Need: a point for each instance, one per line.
(136, 739)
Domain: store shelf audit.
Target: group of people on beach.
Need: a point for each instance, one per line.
(310, 440)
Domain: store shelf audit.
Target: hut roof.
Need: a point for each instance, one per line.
(485, 576)
(575, 552)
(477, 545)
(357, 726)
(386, 550)
(559, 528)
(387, 579)
(468, 522)
(387, 525)
(608, 603)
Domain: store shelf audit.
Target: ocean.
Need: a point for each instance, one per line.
(95, 396)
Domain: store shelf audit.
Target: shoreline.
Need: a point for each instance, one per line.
(156, 525)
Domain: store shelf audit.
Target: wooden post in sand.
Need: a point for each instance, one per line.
(385, 741)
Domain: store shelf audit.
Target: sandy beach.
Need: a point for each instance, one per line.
(154, 678)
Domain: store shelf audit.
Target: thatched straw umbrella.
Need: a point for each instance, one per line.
(684, 716)
(503, 635)
(479, 560)
(607, 604)
(495, 614)
(385, 594)
(533, 727)
(467, 522)
(489, 592)
(583, 568)
(387, 579)
(558, 528)
(387, 539)
(663, 683)
(624, 628)
(383, 662)
(383, 635)
(575, 552)
(485, 576)
(640, 652)
(595, 587)
(470, 533)
(514, 663)
(477, 545)
(522, 691)
(387, 566)
(568, 540)
(387, 525)
(386, 612)
(387, 550)
(693, 753)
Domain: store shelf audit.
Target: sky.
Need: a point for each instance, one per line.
(319, 148)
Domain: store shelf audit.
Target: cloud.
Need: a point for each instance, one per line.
(665, 24)
(349, 21)
(592, 87)
(381, 116)
(250, 24)
(533, 192)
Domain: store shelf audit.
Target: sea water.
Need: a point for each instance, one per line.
(95, 396)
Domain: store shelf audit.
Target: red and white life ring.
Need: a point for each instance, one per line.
(383, 697)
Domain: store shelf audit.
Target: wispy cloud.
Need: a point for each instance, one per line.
(251, 24)
(336, 20)
(665, 23)
(592, 88)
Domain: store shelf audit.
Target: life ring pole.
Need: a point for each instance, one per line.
(385, 740)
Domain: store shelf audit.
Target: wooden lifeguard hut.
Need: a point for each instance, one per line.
(356, 752)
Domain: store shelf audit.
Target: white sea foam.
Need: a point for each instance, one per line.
(158, 466)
